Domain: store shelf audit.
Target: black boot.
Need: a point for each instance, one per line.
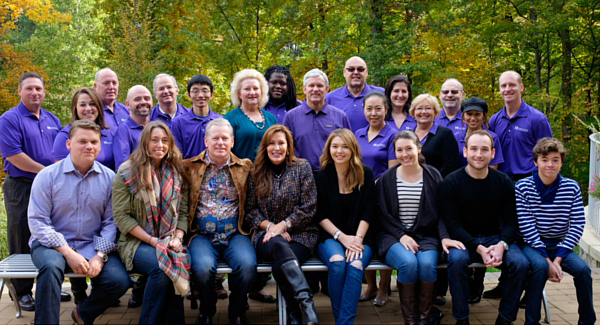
(425, 301)
(407, 302)
(300, 289)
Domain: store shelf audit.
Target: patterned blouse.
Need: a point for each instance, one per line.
(293, 197)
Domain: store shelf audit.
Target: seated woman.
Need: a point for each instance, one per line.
(280, 206)
(551, 220)
(150, 210)
(346, 204)
(410, 227)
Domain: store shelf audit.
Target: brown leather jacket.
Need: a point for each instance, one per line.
(194, 169)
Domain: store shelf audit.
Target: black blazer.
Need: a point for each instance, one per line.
(428, 228)
(441, 151)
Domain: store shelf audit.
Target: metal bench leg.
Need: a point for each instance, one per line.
(13, 294)
(546, 307)
(281, 305)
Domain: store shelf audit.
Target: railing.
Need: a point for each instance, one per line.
(593, 203)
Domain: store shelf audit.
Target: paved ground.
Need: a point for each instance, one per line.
(563, 308)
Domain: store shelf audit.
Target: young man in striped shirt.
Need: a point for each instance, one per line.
(551, 221)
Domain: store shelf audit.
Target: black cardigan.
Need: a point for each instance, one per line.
(428, 228)
(441, 151)
(364, 207)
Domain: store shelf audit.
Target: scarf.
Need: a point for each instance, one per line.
(547, 193)
(162, 206)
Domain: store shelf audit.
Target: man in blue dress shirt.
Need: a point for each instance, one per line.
(106, 84)
(70, 218)
(166, 91)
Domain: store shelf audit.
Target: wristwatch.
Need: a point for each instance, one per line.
(287, 224)
(505, 245)
(103, 256)
(336, 235)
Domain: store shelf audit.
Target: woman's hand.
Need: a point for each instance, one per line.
(275, 230)
(286, 236)
(351, 243)
(352, 255)
(448, 243)
(409, 243)
(175, 244)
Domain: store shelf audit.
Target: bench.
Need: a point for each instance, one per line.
(21, 266)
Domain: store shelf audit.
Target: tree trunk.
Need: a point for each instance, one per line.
(536, 48)
(567, 71)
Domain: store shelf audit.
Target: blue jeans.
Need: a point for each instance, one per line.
(514, 264)
(240, 256)
(539, 275)
(161, 305)
(412, 267)
(108, 286)
(345, 279)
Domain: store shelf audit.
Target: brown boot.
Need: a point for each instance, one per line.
(425, 301)
(407, 302)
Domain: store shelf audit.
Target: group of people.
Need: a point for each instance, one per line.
(167, 192)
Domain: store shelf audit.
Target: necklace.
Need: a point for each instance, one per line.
(278, 176)
(255, 123)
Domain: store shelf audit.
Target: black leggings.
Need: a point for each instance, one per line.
(279, 251)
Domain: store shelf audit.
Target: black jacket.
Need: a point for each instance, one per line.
(441, 151)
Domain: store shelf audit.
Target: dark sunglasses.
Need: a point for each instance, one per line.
(359, 69)
(454, 92)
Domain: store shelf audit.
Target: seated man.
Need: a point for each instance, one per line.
(217, 197)
(477, 203)
(70, 218)
(551, 220)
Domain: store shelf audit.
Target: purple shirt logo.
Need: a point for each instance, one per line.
(329, 126)
(518, 128)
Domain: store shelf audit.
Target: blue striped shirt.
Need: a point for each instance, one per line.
(560, 221)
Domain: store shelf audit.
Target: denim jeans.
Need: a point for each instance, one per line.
(160, 305)
(412, 267)
(240, 256)
(539, 275)
(345, 279)
(514, 264)
(108, 286)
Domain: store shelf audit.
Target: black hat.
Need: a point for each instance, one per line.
(475, 103)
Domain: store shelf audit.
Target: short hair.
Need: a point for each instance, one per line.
(480, 132)
(388, 93)
(430, 99)
(289, 98)
(236, 85)
(131, 89)
(546, 145)
(28, 75)
(201, 80)
(355, 175)
(160, 75)
(85, 125)
(516, 74)
(456, 80)
(375, 93)
(99, 106)
(100, 71)
(315, 73)
(410, 135)
(218, 122)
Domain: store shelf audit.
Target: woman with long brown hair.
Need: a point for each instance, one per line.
(281, 203)
(150, 209)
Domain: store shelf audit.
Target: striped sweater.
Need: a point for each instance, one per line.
(559, 221)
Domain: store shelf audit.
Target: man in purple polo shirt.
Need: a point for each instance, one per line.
(106, 84)
(519, 127)
(139, 102)
(350, 97)
(451, 95)
(28, 134)
(166, 91)
(312, 121)
(189, 129)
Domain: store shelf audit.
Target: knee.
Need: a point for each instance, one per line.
(336, 264)
(204, 272)
(458, 258)
(518, 264)
(539, 267)
(53, 267)
(581, 270)
(246, 271)
(357, 264)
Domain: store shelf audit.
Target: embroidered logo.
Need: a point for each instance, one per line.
(52, 127)
(518, 128)
(329, 126)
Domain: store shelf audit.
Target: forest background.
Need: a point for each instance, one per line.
(554, 44)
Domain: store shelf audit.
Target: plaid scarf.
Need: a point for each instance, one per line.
(162, 207)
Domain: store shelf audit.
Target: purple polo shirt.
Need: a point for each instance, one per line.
(352, 106)
(113, 120)
(157, 115)
(518, 135)
(310, 129)
(24, 132)
(105, 156)
(189, 130)
(408, 124)
(277, 110)
(455, 125)
(379, 151)
(126, 140)
(498, 158)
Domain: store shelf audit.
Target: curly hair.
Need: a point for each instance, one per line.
(236, 85)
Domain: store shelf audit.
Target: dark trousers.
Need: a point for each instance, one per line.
(16, 200)
(280, 251)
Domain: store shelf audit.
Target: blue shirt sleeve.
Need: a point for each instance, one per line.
(59, 150)
(39, 210)
(11, 139)
(121, 147)
(176, 130)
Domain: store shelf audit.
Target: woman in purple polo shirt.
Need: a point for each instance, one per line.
(86, 105)
(377, 147)
(399, 97)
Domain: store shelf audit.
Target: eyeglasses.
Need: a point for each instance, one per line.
(454, 92)
(426, 108)
(359, 69)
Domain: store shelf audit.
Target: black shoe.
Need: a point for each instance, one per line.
(268, 299)
(79, 296)
(27, 303)
(475, 299)
(502, 321)
(298, 287)
(134, 301)
(116, 303)
(523, 302)
(494, 293)
(439, 301)
(238, 320)
(65, 296)
(203, 320)
(463, 322)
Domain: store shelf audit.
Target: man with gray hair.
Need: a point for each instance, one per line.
(451, 95)
(166, 91)
(312, 121)
(106, 84)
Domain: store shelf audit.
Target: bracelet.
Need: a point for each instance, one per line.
(269, 226)
(179, 237)
(336, 235)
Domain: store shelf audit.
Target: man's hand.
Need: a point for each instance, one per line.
(77, 263)
(486, 255)
(557, 264)
(553, 272)
(96, 266)
(497, 252)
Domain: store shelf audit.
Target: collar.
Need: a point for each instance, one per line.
(365, 91)
(68, 167)
(25, 112)
(443, 114)
(307, 108)
(547, 193)
(522, 112)
(163, 112)
(210, 115)
(133, 124)
(203, 157)
(384, 131)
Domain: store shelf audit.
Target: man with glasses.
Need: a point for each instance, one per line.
(349, 98)
(166, 91)
(451, 95)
